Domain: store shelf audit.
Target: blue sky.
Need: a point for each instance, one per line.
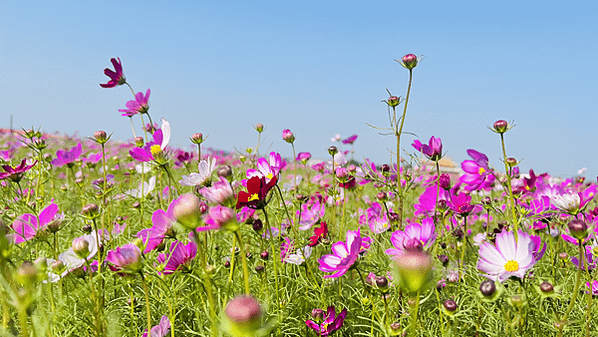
(317, 68)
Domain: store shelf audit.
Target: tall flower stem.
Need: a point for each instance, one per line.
(207, 282)
(508, 173)
(243, 261)
(414, 321)
(400, 192)
(147, 304)
(463, 247)
(276, 254)
(563, 320)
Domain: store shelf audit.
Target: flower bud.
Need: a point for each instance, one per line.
(224, 171)
(243, 315)
(27, 274)
(563, 256)
(578, 229)
(264, 255)
(409, 61)
(381, 196)
(317, 314)
(187, 211)
(511, 162)
(443, 259)
(332, 150)
(444, 181)
(259, 268)
(500, 126)
(288, 136)
(197, 138)
(100, 136)
(57, 267)
(382, 282)
(413, 270)
(81, 247)
(517, 301)
(546, 287)
(90, 211)
(393, 101)
(488, 288)
(139, 141)
(450, 306)
(259, 127)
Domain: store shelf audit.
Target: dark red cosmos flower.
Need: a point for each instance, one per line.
(116, 77)
(319, 234)
(16, 173)
(257, 190)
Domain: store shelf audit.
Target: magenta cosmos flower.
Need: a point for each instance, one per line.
(161, 140)
(433, 150)
(16, 173)
(344, 255)
(125, 259)
(180, 256)
(160, 330)
(330, 324)
(350, 140)
(27, 226)
(140, 105)
(509, 256)
(162, 223)
(477, 174)
(116, 77)
(414, 237)
(67, 157)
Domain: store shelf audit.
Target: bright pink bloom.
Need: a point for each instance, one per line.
(344, 255)
(116, 76)
(331, 322)
(67, 157)
(27, 226)
(217, 217)
(219, 192)
(138, 106)
(310, 213)
(162, 223)
(593, 287)
(16, 173)
(414, 237)
(350, 140)
(433, 150)
(477, 174)
(125, 259)
(303, 157)
(180, 256)
(461, 204)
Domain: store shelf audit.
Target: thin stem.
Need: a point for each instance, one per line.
(147, 304)
(508, 173)
(243, 261)
(398, 135)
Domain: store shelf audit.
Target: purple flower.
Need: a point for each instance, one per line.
(343, 257)
(589, 260)
(67, 157)
(461, 204)
(350, 140)
(162, 223)
(116, 76)
(310, 213)
(303, 157)
(508, 256)
(477, 173)
(219, 192)
(180, 256)
(375, 218)
(125, 259)
(154, 147)
(218, 216)
(331, 322)
(16, 173)
(593, 287)
(433, 150)
(427, 200)
(27, 226)
(139, 105)
(160, 330)
(414, 237)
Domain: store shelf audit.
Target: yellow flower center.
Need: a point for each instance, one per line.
(253, 197)
(269, 176)
(511, 266)
(155, 149)
(481, 170)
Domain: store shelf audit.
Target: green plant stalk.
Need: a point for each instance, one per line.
(276, 255)
(400, 192)
(563, 321)
(243, 261)
(207, 283)
(508, 173)
(414, 311)
(147, 304)
(295, 185)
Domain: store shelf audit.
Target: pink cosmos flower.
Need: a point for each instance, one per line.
(217, 217)
(310, 213)
(138, 106)
(161, 138)
(375, 218)
(219, 192)
(27, 226)
(162, 223)
(350, 140)
(267, 168)
(116, 76)
(477, 174)
(508, 256)
(16, 173)
(67, 157)
(593, 287)
(461, 204)
(303, 157)
(160, 330)
(344, 255)
(414, 237)
(125, 259)
(180, 256)
(432, 151)
(330, 324)
(427, 200)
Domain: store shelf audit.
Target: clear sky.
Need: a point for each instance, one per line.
(319, 68)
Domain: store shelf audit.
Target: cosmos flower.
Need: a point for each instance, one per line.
(162, 223)
(116, 77)
(180, 256)
(257, 190)
(205, 169)
(16, 173)
(310, 213)
(509, 256)
(27, 226)
(350, 140)
(146, 187)
(344, 255)
(320, 233)
(477, 174)
(160, 330)
(330, 324)
(219, 192)
(67, 157)
(433, 150)
(151, 149)
(414, 237)
(138, 106)
(461, 204)
(125, 259)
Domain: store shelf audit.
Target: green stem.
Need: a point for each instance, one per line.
(563, 321)
(147, 304)
(510, 189)
(398, 135)
(243, 261)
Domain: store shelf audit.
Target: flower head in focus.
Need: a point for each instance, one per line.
(116, 76)
(138, 106)
(257, 190)
(331, 323)
(432, 150)
(16, 173)
(344, 255)
(205, 169)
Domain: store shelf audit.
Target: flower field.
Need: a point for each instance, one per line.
(139, 238)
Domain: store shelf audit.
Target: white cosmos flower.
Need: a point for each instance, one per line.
(568, 202)
(147, 188)
(205, 169)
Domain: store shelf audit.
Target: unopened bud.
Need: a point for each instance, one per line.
(187, 211)
(197, 138)
(288, 136)
(139, 141)
(578, 229)
(409, 61)
(332, 150)
(500, 126)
